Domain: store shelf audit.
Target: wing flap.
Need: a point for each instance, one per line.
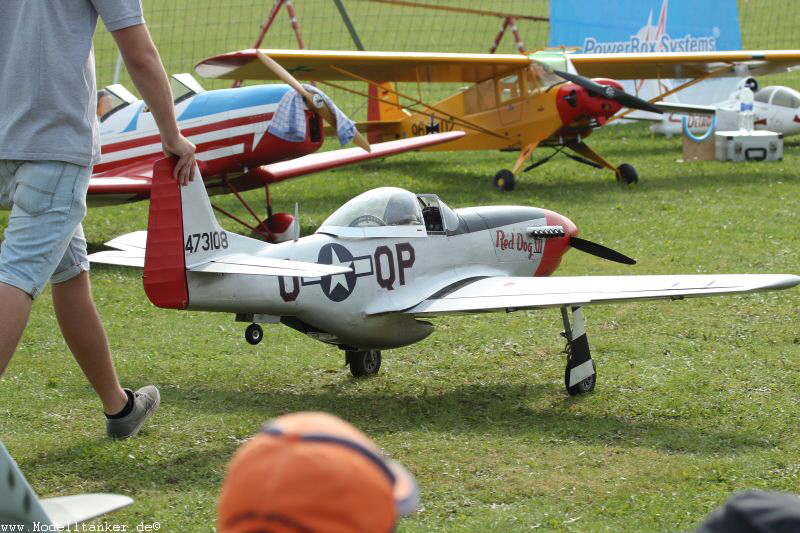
(512, 293)
(266, 266)
(376, 66)
(336, 158)
(668, 65)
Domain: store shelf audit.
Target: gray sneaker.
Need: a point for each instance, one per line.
(145, 403)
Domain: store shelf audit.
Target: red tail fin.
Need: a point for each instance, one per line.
(164, 260)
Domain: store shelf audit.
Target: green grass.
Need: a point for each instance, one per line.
(695, 399)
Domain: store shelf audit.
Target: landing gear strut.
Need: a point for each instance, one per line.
(580, 374)
(363, 362)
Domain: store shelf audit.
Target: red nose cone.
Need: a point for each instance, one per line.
(575, 103)
(554, 249)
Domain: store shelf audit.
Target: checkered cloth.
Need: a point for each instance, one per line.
(289, 121)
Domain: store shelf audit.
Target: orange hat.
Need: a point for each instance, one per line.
(313, 473)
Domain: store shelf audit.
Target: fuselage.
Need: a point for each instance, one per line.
(394, 267)
(776, 108)
(228, 127)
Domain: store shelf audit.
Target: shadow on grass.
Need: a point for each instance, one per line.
(481, 409)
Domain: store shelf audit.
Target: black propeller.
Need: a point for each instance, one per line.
(609, 91)
(600, 251)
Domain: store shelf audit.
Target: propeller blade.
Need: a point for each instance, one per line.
(609, 91)
(317, 104)
(600, 251)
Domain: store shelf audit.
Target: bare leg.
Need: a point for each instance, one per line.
(15, 307)
(83, 331)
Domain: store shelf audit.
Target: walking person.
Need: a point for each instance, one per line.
(48, 143)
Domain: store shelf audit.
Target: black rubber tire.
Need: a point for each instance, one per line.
(626, 174)
(583, 386)
(504, 180)
(363, 363)
(253, 334)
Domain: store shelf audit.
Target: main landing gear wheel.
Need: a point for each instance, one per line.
(583, 386)
(253, 334)
(504, 180)
(363, 362)
(627, 174)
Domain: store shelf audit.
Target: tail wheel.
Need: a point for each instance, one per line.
(627, 174)
(363, 362)
(504, 180)
(253, 334)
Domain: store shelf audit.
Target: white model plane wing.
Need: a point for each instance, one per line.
(513, 293)
(19, 504)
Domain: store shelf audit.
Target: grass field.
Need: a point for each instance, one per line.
(695, 399)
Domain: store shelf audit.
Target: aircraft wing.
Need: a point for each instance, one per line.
(670, 65)
(20, 505)
(686, 109)
(513, 293)
(336, 158)
(122, 184)
(383, 66)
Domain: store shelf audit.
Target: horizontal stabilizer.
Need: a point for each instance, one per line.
(336, 158)
(512, 293)
(132, 258)
(130, 241)
(265, 266)
(67, 510)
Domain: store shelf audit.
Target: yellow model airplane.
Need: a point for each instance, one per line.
(515, 101)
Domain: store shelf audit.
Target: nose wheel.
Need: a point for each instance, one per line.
(363, 362)
(253, 334)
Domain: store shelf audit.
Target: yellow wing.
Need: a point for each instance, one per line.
(378, 66)
(685, 65)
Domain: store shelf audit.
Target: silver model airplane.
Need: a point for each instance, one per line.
(382, 264)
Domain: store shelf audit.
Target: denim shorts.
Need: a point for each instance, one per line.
(44, 237)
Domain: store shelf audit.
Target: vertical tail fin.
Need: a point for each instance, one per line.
(182, 232)
(164, 275)
(383, 104)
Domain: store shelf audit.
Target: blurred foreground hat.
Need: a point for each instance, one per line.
(755, 511)
(313, 473)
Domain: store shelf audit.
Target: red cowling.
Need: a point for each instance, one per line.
(164, 260)
(555, 248)
(575, 103)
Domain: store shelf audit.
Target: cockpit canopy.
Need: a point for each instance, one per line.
(390, 212)
(780, 96)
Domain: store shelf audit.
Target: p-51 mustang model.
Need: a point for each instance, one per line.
(382, 264)
(516, 101)
(235, 150)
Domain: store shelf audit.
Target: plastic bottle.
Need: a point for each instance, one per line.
(746, 110)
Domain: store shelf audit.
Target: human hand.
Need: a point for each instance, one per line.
(183, 149)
